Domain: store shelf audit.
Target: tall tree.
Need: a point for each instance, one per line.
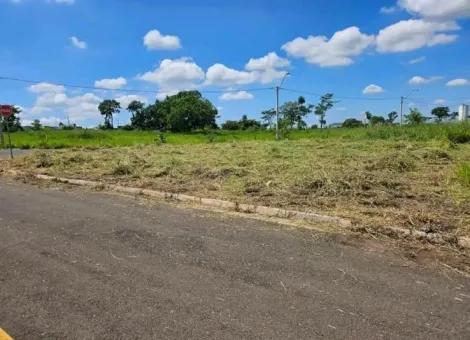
(391, 117)
(352, 123)
(269, 117)
(326, 103)
(415, 117)
(440, 113)
(108, 108)
(135, 106)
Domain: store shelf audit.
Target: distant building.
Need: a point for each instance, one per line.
(463, 112)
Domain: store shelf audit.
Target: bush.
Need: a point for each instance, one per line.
(127, 127)
(459, 137)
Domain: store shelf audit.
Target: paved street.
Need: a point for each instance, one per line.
(5, 153)
(82, 265)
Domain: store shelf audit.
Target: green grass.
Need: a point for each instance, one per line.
(58, 139)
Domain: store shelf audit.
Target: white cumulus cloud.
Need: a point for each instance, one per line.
(240, 95)
(418, 80)
(372, 89)
(125, 100)
(458, 82)
(409, 35)
(416, 60)
(340, 50)
(269, 61)
(173, 75)
(439, 101)
(78, 43)
(46, 88)
(154, 40)
(437, 9)
(219, 74)
(111, 84)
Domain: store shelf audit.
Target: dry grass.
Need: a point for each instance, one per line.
(377, 183)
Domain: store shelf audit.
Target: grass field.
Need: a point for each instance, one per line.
(58, 139)
(414, 177)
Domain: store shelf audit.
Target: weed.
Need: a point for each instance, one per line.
(44, 160)
(121, 168)
(463, 174)
(459, 137)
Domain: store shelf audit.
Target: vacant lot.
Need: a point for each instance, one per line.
(59, 139)
(405, 183)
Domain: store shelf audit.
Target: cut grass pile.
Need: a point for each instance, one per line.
(58, 139)
(421, 185)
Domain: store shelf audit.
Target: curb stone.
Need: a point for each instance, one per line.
(463, 242)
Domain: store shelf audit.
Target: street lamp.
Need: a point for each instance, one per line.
(401, 104)
(277, 104)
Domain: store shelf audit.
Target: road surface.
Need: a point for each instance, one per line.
(81, 265)
(5, 153)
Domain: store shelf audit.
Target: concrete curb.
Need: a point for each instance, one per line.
(463, 242)
(227, 205)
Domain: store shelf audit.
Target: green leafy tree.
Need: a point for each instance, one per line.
(440, 113)
(135, 106)
(326, 103)
(453, 115)
(231, 125)
(352, 123)
(108, 108)
(415, 117)
(36, 125)
(269, 117)
(377, 120)
(392, 116)
(187, 111)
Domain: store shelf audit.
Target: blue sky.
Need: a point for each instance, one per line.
(369, 53)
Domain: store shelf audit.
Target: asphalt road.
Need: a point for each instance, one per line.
(5, 153)
(81, 265)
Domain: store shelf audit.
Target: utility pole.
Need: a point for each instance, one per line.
(277, 105)
(401, 104)
(401, 110)
(2, 140)
(277, 113)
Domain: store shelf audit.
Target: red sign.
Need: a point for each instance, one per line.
(6, 111)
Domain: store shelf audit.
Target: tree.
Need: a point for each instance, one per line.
(134, 107)
(352, 123)
(377, 120)
(391, 117)
(36, 125)
(188, 111)
(232, 125)
(326, 103)
(453, 115)
(415, 117)
(269, 117)
(293, 113)
(108, 108)
(440, 113)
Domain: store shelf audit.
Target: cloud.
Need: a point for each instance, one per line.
(437, 9)
(417, 80)
(337, 51)
(372, 89)
(458, 82)
(388, 10)
(416, 60)
(154, 40)
(409, 35)
(78, 44)
(240, 95)
(439, 101)
(46, 88)
(125, 100)
(111, 84)
(219, 74)
(174, 75)
(269, 61)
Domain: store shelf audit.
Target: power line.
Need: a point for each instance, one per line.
(125, 90)
(340, 97)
